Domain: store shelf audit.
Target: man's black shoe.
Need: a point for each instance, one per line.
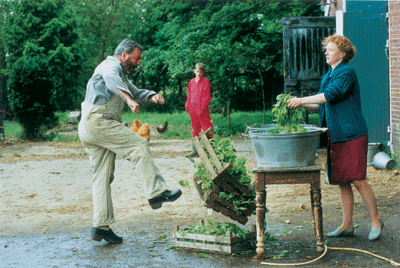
(108, 235)
(167, 196)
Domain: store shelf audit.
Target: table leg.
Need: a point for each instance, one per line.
(312, 211)
(260, 215)
(316, 194)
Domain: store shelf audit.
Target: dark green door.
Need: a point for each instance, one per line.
(365, 24)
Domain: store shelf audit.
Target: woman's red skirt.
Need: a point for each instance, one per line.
(348, 160)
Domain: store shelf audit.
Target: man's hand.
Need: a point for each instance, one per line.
(133, 105)
(157, 99)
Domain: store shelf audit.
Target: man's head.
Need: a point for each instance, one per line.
(129, 53)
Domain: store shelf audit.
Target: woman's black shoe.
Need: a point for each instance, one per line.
(167, 196)
(108, 235)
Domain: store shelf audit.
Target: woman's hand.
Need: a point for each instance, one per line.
(157, 99)
(293, 103)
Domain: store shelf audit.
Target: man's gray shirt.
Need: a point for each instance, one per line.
(107, 78)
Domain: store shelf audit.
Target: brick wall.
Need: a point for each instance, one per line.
(394, 69)
(333, 8)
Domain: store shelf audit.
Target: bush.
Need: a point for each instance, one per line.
(29, 96)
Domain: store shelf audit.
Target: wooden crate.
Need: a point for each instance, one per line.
(224, 182)
(220, 244)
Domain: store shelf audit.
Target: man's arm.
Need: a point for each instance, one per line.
(133, 105)
(157, 99)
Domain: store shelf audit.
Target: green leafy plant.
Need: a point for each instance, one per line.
(203, 255)
(184, 183)
(33, 111)
(226, 154)
(287, 119)
(216, 229)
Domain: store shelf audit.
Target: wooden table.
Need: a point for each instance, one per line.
(292, 175)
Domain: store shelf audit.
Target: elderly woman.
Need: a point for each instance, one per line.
(339, 104)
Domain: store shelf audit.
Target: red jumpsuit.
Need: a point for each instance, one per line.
(198, 100)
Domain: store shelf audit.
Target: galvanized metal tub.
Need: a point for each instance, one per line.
(373, 149)
(284, 150)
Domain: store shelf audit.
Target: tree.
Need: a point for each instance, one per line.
(232, 37)
(44, 56)
(105, 23)
(47, 29)
(4, 8)
(30, 93)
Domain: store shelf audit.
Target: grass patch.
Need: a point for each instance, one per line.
(13, 130)
(179, 124)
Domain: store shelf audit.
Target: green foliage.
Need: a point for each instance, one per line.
(287, 119)
(33, 111)
(215, 229)
(239, 41)
(13, 129)
(184, 183)
(203, 255)
(47, 31)
(104, 23)
(225, 153)
(232, 38)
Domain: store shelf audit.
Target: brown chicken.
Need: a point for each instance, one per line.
(141, 129)
(163, 127)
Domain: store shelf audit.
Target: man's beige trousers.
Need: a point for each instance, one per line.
(103, 137)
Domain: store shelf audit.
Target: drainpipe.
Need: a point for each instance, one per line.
(387, 50)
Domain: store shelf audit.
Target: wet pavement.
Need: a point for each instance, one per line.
(142, 248)
(148, 240)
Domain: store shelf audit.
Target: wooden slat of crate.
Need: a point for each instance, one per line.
(214, 197)
(231, 185)
(249, 212)
(238, 186)
(226, 186)
(211, 202)
(223, 171)
(211, 151)
(202, 237)
(200, 240)
(212, 248)
(229, 239)
(202, 246)
(203, 156)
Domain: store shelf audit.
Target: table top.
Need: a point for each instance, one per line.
(315, 167)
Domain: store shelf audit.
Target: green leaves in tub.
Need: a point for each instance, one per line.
(288, 120)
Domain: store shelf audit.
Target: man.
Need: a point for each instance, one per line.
(104, 136)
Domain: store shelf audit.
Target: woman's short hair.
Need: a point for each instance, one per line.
(127, 46)
(201, 66)
(343, 44)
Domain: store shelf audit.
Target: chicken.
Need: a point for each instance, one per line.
(163, 127)
(141, 129)
(144, 131)
(136, 125)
